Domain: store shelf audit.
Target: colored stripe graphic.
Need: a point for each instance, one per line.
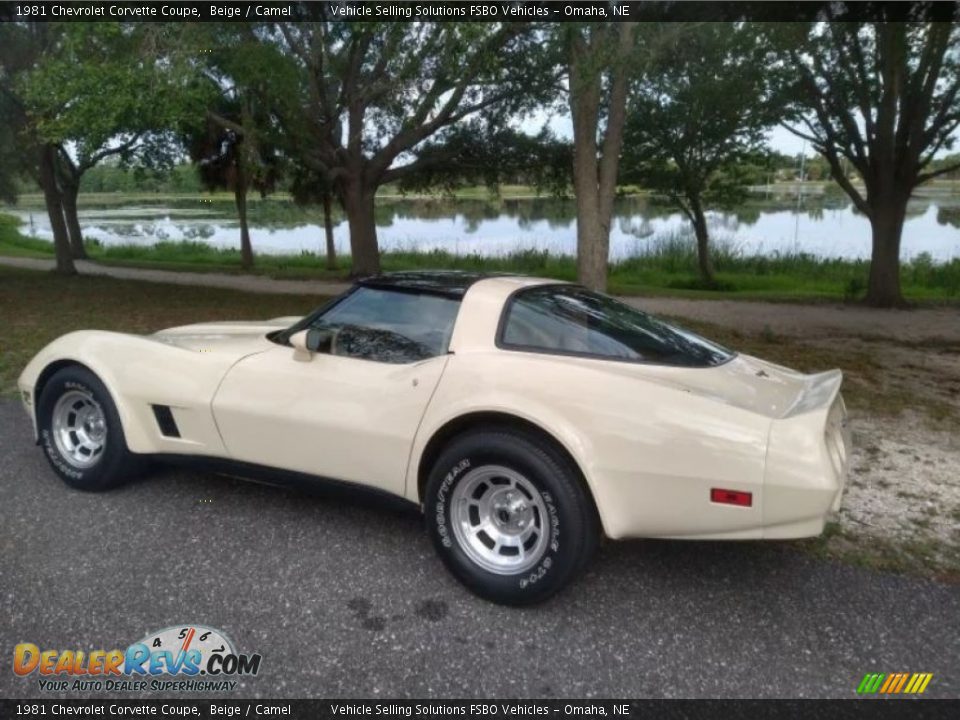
(903, 679)
(894, 683)
(871, 682)
(891, 680)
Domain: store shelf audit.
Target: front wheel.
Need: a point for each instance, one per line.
(80, 431)
(509, 516)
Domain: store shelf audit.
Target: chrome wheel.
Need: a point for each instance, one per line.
(79, 428)
(499, 520)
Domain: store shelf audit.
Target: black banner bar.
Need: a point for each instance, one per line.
(882, 709)
(470, 11)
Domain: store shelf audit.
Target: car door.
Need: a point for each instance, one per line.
(351, 415)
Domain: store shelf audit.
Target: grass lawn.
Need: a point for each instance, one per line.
(14, 244)
(36, 307)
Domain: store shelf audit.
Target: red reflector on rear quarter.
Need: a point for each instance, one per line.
(731, 497)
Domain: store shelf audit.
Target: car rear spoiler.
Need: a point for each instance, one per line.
(818, 393)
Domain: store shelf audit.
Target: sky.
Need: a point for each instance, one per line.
(780, 139)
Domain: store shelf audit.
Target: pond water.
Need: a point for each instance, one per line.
(823, 225)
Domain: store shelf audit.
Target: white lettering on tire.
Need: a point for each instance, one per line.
(442, 492)
(55, 458)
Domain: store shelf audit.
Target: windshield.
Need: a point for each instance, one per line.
(386, 325)
(572, 320)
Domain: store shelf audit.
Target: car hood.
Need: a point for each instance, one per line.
(237, 338)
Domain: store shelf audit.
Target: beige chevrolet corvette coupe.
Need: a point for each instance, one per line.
(526, 417)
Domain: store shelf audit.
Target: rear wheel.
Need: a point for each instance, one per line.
(509, 516)
(80, 431)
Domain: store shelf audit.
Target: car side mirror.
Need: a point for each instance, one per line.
(307, 342)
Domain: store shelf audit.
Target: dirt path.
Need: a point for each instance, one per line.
(790, 319)
(248, 283)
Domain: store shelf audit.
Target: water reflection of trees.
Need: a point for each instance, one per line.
(557, 213)
(948, 215)
(633, 214)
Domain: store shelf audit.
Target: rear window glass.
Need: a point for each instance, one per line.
(572, 320)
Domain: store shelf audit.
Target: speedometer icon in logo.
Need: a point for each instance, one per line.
(192, 637)
(188, 650)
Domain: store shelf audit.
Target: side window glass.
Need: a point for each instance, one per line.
(391, 326)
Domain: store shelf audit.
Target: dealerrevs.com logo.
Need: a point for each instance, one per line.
(186, 658)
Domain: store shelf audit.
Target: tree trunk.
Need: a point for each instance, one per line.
(246, 249)
(593, 244)
(328, 231)
(704, 262)
(595, 165)
(70, 192)
(358, 201)
(54, 203)
(883, 286)
(592, 248)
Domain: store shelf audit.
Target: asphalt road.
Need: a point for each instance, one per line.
(344, 598)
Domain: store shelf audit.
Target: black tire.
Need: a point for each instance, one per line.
(114, 463)
(572, 525)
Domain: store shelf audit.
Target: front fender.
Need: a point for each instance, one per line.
(139, 372)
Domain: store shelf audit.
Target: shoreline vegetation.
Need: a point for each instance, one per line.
(664, 266)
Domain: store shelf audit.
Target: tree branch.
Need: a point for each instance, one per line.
(107, 152)
(401, 171)
(924, 177)
(418, 129)
(225, 123)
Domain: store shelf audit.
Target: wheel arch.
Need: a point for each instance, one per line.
(51, 369)
(487, 419)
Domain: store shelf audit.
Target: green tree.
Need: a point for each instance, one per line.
(472, 154)
(697, 115)
(99, 90)
(231, 127)
(373, 93)
(22, 47)
(885, 98)
(10, 161)
(309, 187)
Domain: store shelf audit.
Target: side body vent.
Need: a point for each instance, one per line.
(166, 423)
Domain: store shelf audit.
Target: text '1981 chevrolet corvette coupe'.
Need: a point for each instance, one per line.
(526, 417)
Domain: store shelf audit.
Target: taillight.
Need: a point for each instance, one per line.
(731, 497)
